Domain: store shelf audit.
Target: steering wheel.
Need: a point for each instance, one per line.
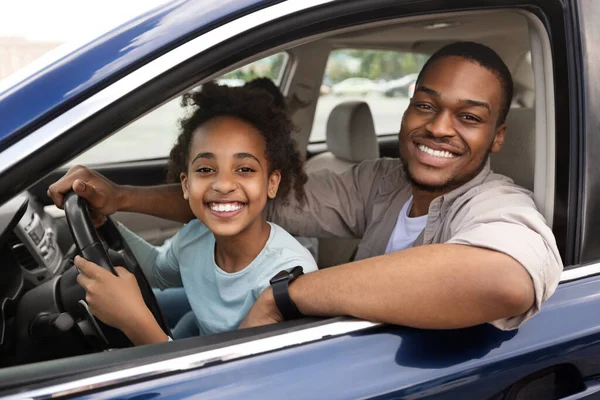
(92, 248)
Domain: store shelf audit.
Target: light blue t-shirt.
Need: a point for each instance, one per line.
(220, 300)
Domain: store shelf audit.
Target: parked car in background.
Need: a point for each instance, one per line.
(107, 102)
(400, 86)
(411, 89)
(354, 86)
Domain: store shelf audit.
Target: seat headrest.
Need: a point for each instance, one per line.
(351, 132)
(517, 157)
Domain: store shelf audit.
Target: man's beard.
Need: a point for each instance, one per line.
(450, 184)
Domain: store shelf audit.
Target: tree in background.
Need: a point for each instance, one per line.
(269, 67)
(373, 64)
(342, 64)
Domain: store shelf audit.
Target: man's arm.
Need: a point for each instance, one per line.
(334, 207)
(440, 286)
(106, 197)
(163, 201)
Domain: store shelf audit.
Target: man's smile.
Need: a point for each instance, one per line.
(433, 154)
(436, 153)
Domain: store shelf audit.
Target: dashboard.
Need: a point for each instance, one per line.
(33, 243)
(29, 256)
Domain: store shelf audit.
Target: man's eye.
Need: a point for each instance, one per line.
(470, 118)
(424, 107)
(204, 170)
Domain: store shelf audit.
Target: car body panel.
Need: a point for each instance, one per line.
(384, 362)
(110, 56)
(396, 362)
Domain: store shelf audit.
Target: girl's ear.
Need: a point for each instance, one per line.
(274, 180)
(184, 185)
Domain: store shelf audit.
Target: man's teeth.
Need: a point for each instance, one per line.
(436, 153)
(225, 207)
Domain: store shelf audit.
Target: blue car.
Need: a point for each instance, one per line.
(113, 104)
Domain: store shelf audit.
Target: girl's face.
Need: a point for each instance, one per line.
(228, 180)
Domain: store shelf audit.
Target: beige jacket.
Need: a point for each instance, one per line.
(489, 211)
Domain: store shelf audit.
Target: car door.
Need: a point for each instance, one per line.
(554, 355)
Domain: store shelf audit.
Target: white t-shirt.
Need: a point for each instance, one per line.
(407, 229)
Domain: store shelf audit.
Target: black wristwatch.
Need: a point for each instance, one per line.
(280, 283)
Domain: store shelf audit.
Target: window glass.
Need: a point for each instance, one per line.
(153, 135)
(384, 79)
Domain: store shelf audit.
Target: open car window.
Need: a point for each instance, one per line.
(153, 135)
(384, 79)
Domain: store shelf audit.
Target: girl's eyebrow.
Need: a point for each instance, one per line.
(210, 156)
(240, 156)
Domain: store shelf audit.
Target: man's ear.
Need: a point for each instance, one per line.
(274, 180)
(499, 138)
(184, 185)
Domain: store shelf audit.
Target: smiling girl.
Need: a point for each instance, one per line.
(234, 153)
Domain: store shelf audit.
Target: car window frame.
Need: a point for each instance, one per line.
(44, 146)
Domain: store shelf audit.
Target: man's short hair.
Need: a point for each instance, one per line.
(487, 58)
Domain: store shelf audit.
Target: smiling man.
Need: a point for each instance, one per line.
(446, 243)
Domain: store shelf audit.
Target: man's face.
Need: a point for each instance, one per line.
(451, 124)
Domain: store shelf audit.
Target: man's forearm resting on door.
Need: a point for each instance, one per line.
(435, 286)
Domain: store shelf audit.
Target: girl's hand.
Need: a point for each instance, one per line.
(263, 312)
(115, 300)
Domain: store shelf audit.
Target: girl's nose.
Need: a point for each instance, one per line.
(224, 183)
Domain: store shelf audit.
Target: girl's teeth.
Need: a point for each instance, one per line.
(435, 153)
(225, 207)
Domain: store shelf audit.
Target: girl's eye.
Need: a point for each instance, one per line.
(204, 170)
(245, 169)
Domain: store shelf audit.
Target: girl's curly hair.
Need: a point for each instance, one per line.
(255, 106)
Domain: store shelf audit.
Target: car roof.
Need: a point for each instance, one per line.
(74, 76)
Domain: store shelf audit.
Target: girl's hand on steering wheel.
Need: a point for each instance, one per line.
(115, 300)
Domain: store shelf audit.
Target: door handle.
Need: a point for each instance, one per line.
(591, 391)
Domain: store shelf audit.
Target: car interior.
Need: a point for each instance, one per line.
(337, 132)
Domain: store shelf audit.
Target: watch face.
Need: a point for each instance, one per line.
(281, 276)
(287, 276)
(297, 271)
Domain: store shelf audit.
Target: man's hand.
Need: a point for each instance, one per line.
(103, 195)
(106, 197)
(264, 311)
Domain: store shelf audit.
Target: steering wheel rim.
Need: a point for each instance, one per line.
(91, 247)
(84, 232)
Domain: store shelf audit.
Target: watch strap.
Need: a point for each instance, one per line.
(284, 302)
